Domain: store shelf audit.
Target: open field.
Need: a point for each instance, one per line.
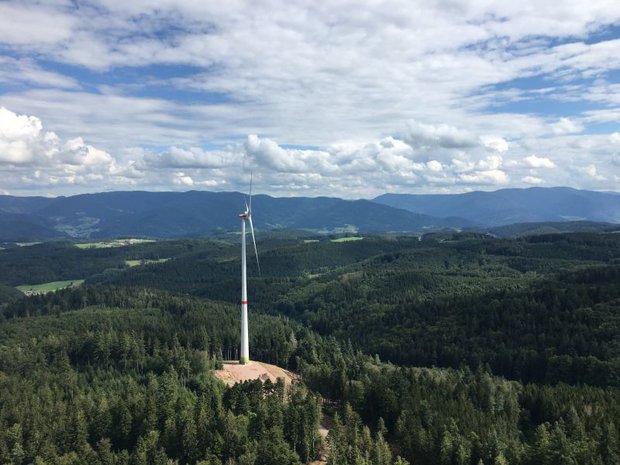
(31, 289)
(348, 239)
(114, 243)
(144, 261)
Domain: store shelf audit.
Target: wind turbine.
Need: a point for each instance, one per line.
(246, 216)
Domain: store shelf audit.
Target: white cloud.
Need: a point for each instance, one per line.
(42, 157)
(434, 165)
(422, 135)
(489, 177)
(497, 144)
(182, 179)
(13, 126)
(327, 76)
(18, 136)
(269, 153)
(23, 24)
(26, 70)
(566, 126)
(32, 158)
(532, 180)
(490, 163)
(193, 157)
(592, 171)
(538, 162)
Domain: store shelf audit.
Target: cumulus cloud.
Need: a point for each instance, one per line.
(489, 163)
(333, 86)
(434, 165)
(43, 157)
(268, 153)
(421, 135)
(19, 136)
(182, 179)
(566, 126)
(534, 161)
(497, 144)
(492, 177)
(193, 157)
(373, 167)
(592, 171)
(32, 158)
(532, 180)
(13, 126)
(23, 141)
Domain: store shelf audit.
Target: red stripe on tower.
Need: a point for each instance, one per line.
(244, 302)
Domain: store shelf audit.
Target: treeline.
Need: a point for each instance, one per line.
(121, 376)
(563, 329)
(542, 311)
(126, 382)
(459, 417)
(59, 261)
(217, 278)
(537, 309)
(110, 417)
(148, 319)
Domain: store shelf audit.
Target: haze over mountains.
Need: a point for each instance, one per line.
(194, 213)
(509, 206)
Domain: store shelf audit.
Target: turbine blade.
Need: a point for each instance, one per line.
(250, 207)
(254, 242)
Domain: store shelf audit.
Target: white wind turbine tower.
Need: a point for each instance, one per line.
(244, 356)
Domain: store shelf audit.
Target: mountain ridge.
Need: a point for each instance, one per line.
(511, 206)
(197, 213)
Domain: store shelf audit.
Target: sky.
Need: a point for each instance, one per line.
(339, 98)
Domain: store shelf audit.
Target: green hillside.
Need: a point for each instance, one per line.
(453, 348)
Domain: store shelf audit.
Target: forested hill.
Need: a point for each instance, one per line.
(191, 214)
(120, 376)
(500, 351)
(196, 214)
(508, 206)
(544, 308)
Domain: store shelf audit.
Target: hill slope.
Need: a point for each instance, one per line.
(185, 214)
(508, 206)
(190, 214)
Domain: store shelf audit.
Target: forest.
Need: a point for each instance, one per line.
(449, 348)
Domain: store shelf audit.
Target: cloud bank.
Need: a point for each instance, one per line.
(437, 158)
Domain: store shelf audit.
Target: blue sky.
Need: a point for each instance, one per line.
(341, 98)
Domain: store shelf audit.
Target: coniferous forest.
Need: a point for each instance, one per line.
(452, 348)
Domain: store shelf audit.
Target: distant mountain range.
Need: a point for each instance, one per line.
(509, 206)
(190, 214)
